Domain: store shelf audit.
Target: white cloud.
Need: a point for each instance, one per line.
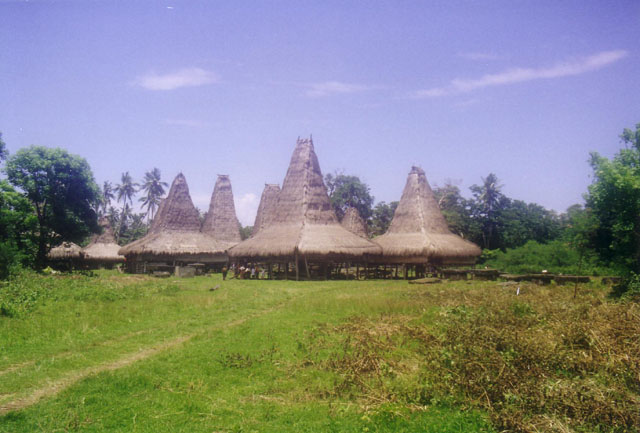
(246, 208)
(519, 75)
(189, 77)
(327, 88)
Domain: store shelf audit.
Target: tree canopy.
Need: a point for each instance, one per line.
(349, 191)
(614, 200)
(62, 190)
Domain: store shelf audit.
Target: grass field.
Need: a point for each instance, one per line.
(118, 352)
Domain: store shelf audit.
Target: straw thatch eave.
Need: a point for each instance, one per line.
(267, 207)
(176, 229)
(66, 251)
(353, 222)
(304, 221)
(103, 247)
(419, 233)
(221, 221)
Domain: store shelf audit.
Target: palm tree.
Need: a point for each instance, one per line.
(125, 191)
(154, 188)
(107, 195)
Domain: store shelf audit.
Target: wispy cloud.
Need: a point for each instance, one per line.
(478, 56)
(326, 88)
(189, 77)
(519, 75)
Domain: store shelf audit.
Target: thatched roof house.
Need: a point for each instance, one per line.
(304, 223)
(221, 221)
(419, 233)
(267, 207)
(103, 249)
(175, 236)
(65, 251)
(353, 222)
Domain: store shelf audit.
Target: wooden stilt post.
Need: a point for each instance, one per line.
(297, 268)
(286, 270)
(306, 266)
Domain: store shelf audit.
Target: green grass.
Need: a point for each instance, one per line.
(131, 353)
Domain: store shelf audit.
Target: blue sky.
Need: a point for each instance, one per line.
(524, 89)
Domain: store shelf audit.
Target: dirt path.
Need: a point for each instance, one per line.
(71, 378)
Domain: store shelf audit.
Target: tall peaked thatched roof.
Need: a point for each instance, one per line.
(304, 221)
(65, 251)
(176, 228)
(103, 247)
(267, 207)
(221, 221)
(353, 222)
(419, 232)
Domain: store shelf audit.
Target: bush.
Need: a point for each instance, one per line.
(628, 288)
(556, 257)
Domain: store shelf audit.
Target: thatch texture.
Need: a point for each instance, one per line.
(353, 222)
(175, 231)
(221, 221)
(66, 251)
(103, 247)
(267, 207)
(304, 221)
(419, 233)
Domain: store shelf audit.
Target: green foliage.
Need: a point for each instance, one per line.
(4, 153)
(614, 199)
(382, 216)
(154, 189)
(61, 188)
(18, 225)
(348, 191)
(556, 257)
(245, 232)
(628, 288)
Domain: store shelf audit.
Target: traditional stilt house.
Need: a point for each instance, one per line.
(102, 251)
(353, 222)
(419, 234)
(221, 221)
(65, 256)
(174, 237)
(267, 207)
(304, 228)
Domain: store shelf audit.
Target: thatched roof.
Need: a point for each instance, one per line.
(353, 222)
(221, 221)
(103, 247)
(267, 207)
(66, 251)
(419, 232)
(176, 228)
(304, 221)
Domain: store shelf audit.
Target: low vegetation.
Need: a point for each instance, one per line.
(111, 352)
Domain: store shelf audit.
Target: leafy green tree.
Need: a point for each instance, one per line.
(4, 153)
(382, 216)
(61, 188)
(457, 211)
(614, 199)
(349, 191)
(154, 189)
(18, 228)
(489, 202)
(245, 232)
